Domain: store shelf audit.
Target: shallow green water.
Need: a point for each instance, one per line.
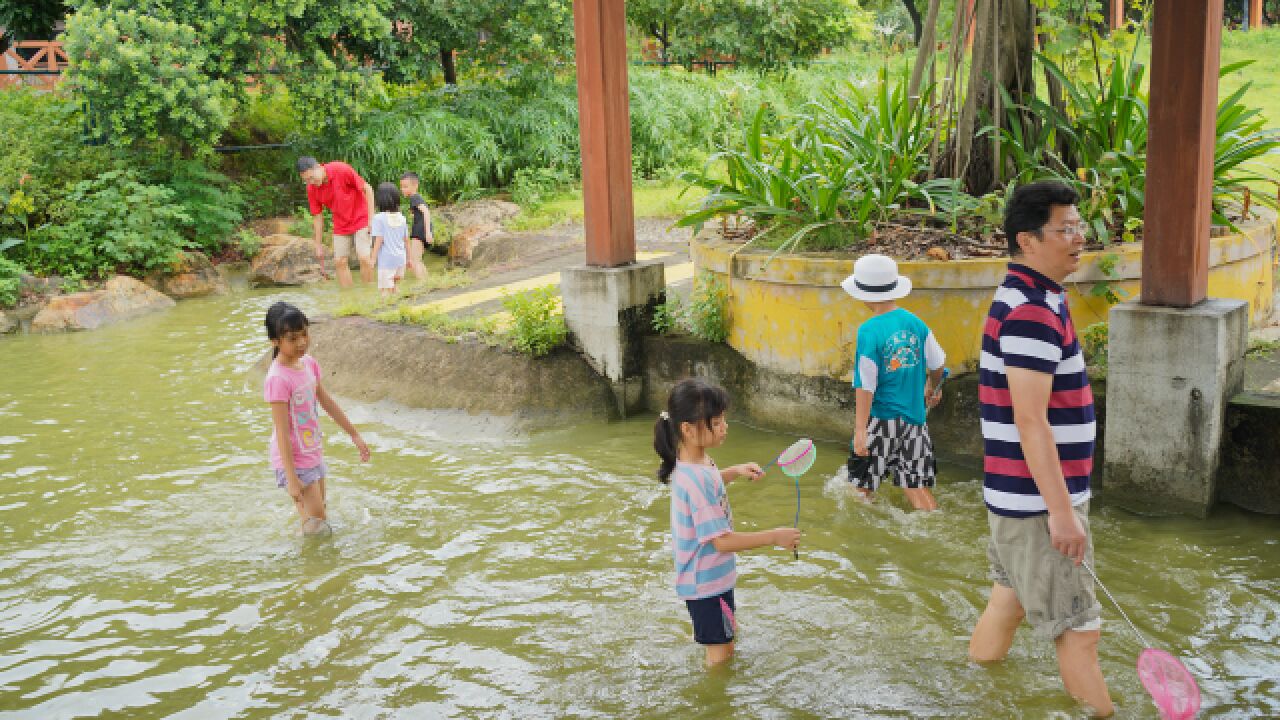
(150, 568)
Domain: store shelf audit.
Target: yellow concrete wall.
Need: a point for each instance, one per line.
(790, 315)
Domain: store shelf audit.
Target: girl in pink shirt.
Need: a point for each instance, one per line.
(293, 389)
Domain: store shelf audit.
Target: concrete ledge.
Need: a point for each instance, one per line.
(372, 361)
(1249, 476)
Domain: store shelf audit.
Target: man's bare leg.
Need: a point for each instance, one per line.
(993, 635)
(1081, 674)
(344, 271)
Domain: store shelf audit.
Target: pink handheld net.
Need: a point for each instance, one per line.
(1171, 686)
(1167, 680)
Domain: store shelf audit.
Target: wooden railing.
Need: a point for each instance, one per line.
(38, 63)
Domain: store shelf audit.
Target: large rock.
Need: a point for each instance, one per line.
(465, 242)
(477, 212)
(285, 260)
(193, 275)
(122, 298)
(8, 323)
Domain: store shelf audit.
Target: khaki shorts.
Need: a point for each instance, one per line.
(342, 244)
(1056, 594)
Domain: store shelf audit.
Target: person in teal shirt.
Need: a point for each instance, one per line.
(897, 373)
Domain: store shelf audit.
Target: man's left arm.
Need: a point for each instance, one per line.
(368, 196)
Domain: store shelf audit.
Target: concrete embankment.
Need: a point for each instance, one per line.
(373, 361)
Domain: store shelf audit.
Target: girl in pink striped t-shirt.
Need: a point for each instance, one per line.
(702, 538)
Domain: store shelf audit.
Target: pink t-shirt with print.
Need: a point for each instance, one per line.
(298, 388)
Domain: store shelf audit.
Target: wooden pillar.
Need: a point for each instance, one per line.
(600, 37)
(1115, 14)
(1255, 14)
(1185, 41)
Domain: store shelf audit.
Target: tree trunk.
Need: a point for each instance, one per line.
(925, 52)
(1002, 57)
(448, 66)
(916, 25)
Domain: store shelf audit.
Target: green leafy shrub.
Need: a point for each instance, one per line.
(10, 281)
(1093, 343)
(112, 222)
(145, 78)
(843, 164)
(668, 315)
(537, 322)
(248, 243)
(708, 315)
(207, 196)
(531, 187)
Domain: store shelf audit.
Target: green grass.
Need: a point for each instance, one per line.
(1263, 47)
(650, 198)
(442, 324)
(368, 301)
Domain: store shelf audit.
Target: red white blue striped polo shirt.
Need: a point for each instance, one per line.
(1030, 327)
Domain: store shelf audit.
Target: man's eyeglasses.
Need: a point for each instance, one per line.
(1071, 229)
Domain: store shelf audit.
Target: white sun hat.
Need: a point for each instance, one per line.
(875, 278)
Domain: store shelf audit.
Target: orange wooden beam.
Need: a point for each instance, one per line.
(1185, 43)
(1115, 14)
(1255, 14)
(600, 37)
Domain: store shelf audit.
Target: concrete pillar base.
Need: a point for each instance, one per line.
(609, 311)
(1170, 374)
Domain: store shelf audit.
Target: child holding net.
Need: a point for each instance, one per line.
(702, 535)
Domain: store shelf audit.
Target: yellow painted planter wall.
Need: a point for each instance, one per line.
(790, 314)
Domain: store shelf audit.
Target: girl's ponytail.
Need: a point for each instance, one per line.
(665, 443)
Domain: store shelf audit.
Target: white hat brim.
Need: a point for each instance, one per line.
(901, 289)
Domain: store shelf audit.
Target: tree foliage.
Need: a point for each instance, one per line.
(754, 33)
(488, 32)
(29, 20)
(146, 78)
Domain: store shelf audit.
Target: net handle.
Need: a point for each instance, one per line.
(1113, 602)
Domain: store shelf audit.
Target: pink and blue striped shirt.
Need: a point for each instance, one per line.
(699, 514)
(1030, 327)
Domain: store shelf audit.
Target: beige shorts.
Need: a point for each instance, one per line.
(388, 277)
(342, 244)
(1056, 594)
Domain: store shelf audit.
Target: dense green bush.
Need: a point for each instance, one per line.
(843, 164)
(707, 314)
(112, 222)
(145, 79)
(537, 322)
(10, 281)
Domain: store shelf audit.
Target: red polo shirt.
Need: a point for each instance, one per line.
(343, 193)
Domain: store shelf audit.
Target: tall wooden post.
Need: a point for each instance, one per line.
(1184, 91)
(1255, 14)
(600, 37)
(1115, 14)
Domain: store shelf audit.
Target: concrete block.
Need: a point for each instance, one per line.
(1171, 373)
(608, 312)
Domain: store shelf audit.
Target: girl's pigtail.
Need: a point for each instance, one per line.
(665, 444)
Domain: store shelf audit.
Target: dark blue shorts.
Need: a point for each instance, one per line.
(711, 625)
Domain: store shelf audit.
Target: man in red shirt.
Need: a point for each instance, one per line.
(335, 185)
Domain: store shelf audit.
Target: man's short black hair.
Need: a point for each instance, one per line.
(1029, 207)
(410, 176)
(305, 163)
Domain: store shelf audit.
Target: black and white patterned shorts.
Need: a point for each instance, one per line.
(898, 447)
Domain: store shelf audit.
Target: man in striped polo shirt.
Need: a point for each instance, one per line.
(1038, 432)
